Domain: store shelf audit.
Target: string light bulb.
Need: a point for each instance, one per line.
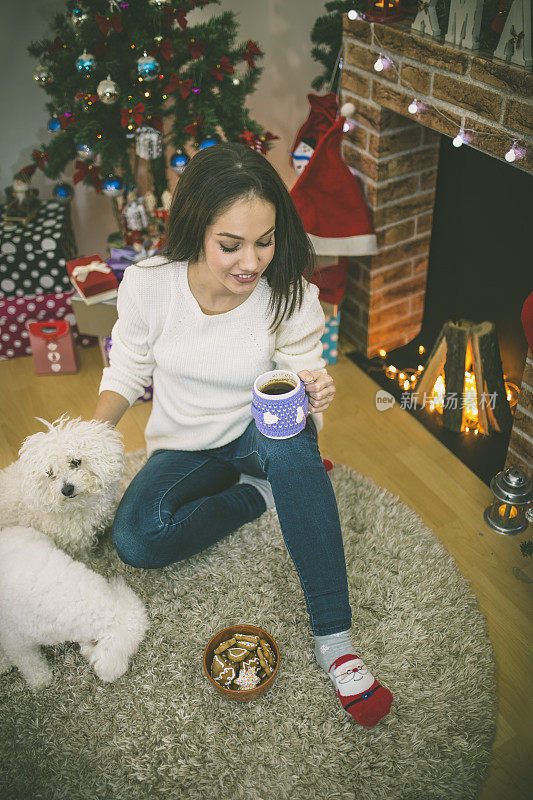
(511, 153)
(353, 14)
(458, 141)
(379, 65)
(413, 107)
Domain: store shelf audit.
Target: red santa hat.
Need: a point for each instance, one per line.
(322, 115)
(330, 201)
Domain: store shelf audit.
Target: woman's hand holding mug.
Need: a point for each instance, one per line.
(320, 389)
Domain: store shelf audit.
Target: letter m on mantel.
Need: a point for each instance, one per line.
(464, 23)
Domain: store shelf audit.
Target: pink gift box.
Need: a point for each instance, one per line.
(52, 346)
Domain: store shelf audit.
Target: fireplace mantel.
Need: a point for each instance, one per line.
(394, 154)
(473, 89)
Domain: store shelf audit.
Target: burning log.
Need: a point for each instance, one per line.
(463, 346)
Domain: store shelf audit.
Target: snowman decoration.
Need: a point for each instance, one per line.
(303, 153)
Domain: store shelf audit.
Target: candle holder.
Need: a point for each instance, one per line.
(509, 513)
(384, 10)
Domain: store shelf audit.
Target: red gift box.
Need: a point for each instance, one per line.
(92, 278)
(52, 347)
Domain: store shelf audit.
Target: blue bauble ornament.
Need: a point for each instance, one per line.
(113, 186)
(147, 68)
(85, 63)
(63, 192)
(178, 161)
(53, 125)
(209, 142)
(85, 152)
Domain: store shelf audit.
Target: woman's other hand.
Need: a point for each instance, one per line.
(320, 389)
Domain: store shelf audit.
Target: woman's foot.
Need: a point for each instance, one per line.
(262, 486)
(361, 695)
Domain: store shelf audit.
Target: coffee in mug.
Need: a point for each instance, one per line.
(279, 404)
(277, 387)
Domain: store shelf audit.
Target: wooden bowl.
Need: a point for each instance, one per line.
(228, 633)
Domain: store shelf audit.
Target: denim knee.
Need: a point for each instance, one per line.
(302, 447)
(132, 546)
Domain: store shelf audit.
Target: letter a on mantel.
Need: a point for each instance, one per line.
(426, 20)
(464, 23)
(515, 40)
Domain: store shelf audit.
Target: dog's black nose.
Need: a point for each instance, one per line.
(67, 489)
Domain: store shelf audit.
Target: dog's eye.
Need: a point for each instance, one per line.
(50, 473)
(75, 463)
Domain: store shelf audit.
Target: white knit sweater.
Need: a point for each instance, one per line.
(203, 366)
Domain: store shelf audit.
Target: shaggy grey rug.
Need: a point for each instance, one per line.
(161, 731)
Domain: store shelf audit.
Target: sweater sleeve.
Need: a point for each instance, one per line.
(131, 361)
(298, 339)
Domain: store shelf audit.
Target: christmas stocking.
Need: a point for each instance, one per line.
(330, 201)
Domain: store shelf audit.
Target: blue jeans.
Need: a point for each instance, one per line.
(183, 501)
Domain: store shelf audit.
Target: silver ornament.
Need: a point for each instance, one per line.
(107, 90)
(42, 75)
(85, 152)
(78, 17)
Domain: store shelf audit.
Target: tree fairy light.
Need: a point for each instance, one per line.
(413, 107)
(353, 14)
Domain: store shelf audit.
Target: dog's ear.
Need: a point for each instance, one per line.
(45, 423)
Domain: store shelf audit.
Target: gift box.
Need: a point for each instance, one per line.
(119, 259)
(92, 278)
(52, 347)
(330, 338)
(105, 347)
(16, 312)
(33, 255)
(122, 257)
(96, 319)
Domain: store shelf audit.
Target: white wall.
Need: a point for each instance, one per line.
(282, 29)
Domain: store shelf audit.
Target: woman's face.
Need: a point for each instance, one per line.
(239, 243)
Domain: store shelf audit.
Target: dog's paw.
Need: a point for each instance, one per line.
(108, 671)
(87, 649)
(40, 677)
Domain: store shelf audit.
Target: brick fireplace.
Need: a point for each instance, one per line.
(395, 157)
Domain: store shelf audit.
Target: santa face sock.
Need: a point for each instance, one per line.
(361, 695)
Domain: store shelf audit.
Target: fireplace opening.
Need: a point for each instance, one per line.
(480, 269)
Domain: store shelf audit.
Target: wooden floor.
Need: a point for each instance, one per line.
(397, 452)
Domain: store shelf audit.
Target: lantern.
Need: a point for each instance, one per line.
(510, 510)
(384, 10)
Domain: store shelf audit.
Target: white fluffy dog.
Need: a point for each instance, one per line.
(47, 598)
(65, 482)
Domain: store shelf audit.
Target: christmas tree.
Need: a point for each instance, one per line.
(125, 79)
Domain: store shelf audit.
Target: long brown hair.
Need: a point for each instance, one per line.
(212, 181)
